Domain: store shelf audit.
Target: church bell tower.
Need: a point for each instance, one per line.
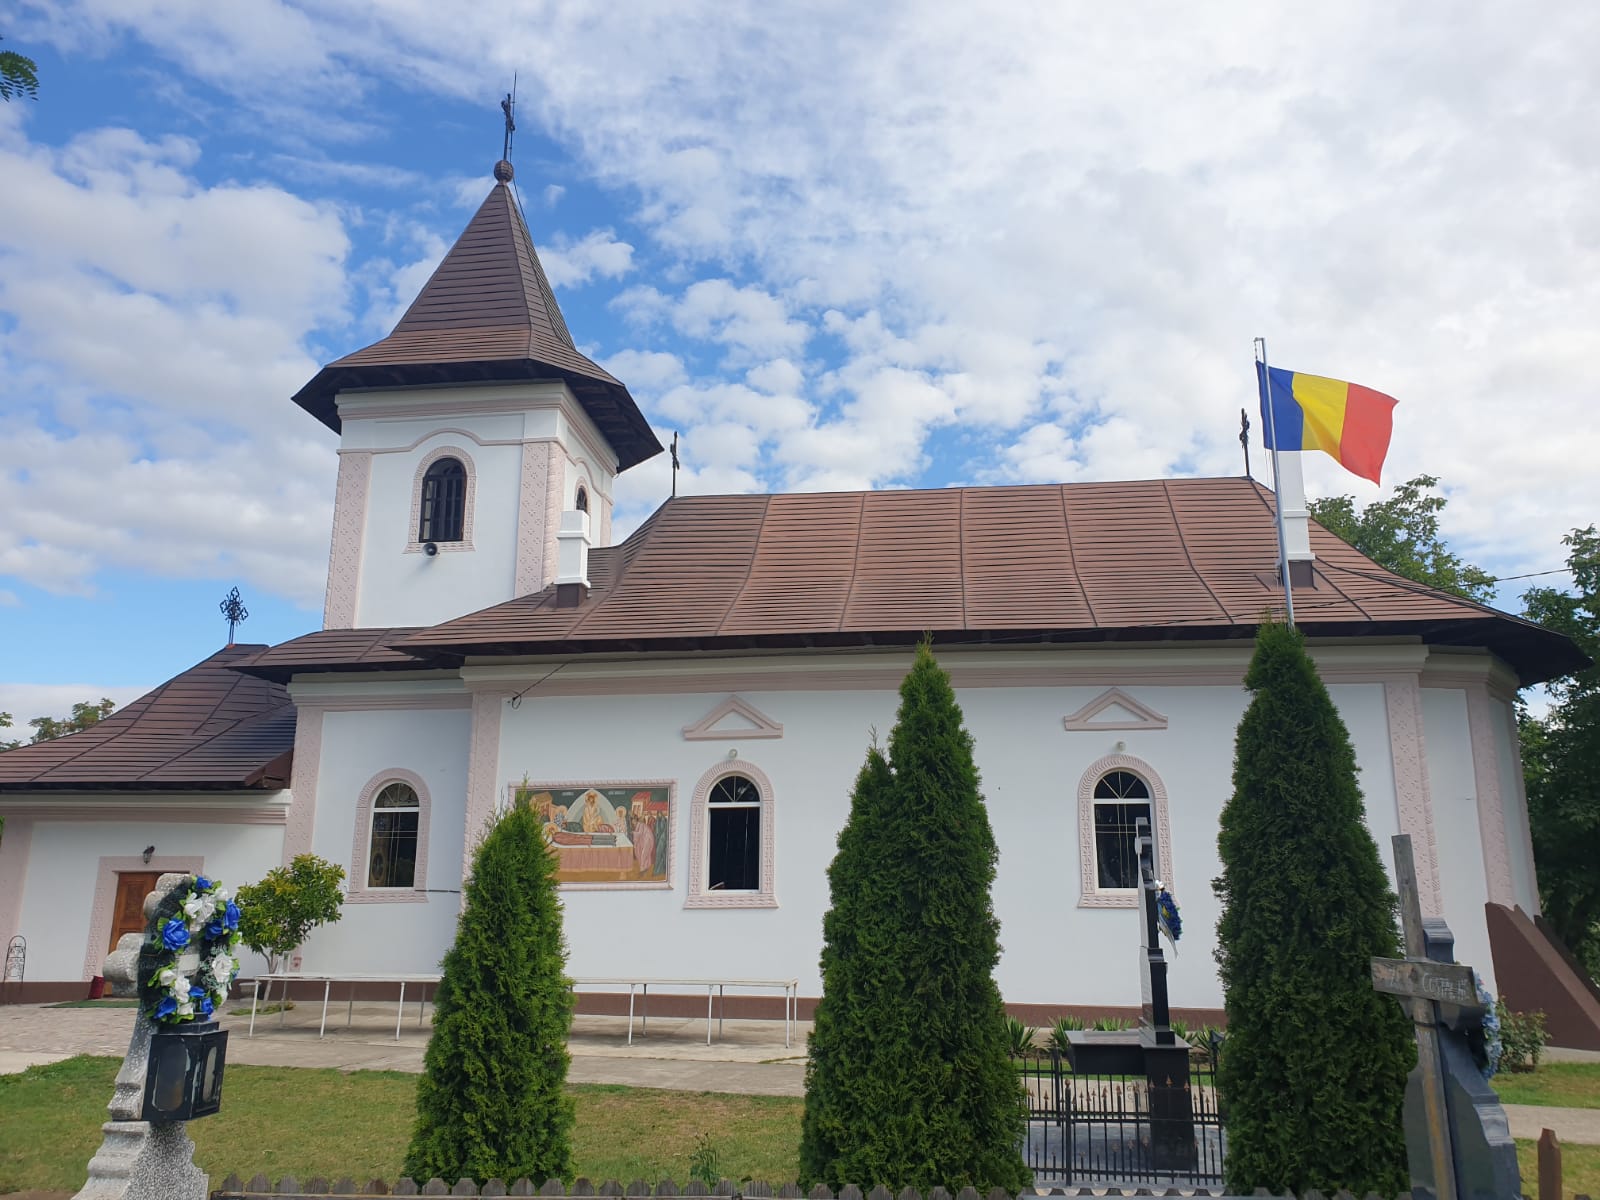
(477, 445)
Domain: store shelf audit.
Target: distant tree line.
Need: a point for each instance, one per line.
(84, 714)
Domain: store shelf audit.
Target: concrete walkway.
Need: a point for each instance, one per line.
(749, 1058)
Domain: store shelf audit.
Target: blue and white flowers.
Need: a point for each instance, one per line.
(196, 920)
(1167, 917)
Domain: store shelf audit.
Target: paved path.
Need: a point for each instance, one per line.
(1580, 1126)
(749, 1058)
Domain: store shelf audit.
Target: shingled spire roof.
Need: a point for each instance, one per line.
(487, 313)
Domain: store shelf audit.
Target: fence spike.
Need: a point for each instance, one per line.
(880, 1193)
(758, 1188)
(911, 1193)
(259, 1184)
(696, 1187)
(1314, 1194)
(582, 1186)
(465, 1187)
(553, 1187)
(288, 1186)
(939, 1192)
(820, 1191)
(967, 1193)
(611, 1188)
(790, 1191)
(345, 1186)
(999, 1193)
(494, 1187)
(407, 1187)
(317, 1186)
(637, 1188)
(850, 1192)
(436, 1187)
(523, 1187)
(666, 1187)
(376, 1187)
(725, 1187)
(232, 1183)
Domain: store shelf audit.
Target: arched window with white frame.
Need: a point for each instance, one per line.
(1114, 795)
(389, 862)
(732, 842)
(442, 496)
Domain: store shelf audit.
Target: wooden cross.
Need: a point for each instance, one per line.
(1422, 984)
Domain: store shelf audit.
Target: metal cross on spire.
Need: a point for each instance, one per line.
(1244, 439)
(509, 107)
(234, 610)
(675, 463)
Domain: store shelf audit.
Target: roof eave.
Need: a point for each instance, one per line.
(608, 403)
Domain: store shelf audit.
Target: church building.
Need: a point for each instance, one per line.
(687, 708)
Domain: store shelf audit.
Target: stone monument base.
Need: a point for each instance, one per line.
(141, 1161)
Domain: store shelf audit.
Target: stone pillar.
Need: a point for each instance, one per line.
(138, 1160)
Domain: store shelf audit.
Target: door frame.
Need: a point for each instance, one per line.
(105, 896)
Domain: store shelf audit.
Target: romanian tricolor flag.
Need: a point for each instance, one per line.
(1345, 420)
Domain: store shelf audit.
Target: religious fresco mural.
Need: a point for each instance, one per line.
(611, 835)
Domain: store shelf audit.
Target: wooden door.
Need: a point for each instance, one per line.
(127, 910)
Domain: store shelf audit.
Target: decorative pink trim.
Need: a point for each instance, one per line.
(1090, 894)
(1525, 839)
(137, 808)
(483, 769)
(1491, 805)
(761, 725)
(303, 781)
(605, 522)
(1142, 715)
(344, 554)
(1413, 797)
(672, 826)
(532, 516)
(413, 546)
(701, 897)
(14, 848)
(552, 506)
(105, 894)
(417, 893)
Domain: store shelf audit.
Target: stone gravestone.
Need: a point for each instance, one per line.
(138, 1159)
(1166, 1056)
(121, 968)
(1458, 1142)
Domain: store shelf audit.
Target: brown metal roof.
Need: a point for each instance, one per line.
(336, 650)
(487, 313)
(209, 728)
(1148, 560)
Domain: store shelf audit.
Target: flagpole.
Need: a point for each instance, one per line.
(1265, 388)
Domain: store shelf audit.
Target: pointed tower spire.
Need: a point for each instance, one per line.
(487, 314)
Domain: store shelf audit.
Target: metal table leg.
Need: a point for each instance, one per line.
(711, 991)
(254, 1000)
(400, 1010)
(644, 1012)
(630, 1014)
(327, 987)
(722, 1010)
(350, 1010)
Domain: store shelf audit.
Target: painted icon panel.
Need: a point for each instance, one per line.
(611, 834)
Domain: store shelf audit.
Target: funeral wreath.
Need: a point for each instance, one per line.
(197, 918)
(1167, 914)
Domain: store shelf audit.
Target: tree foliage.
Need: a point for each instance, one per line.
(19, 76)
(492, 1097)
(1561, 760)
(1313, 1072)
(84, 714)
(1402, 534)
(908, 1082)
(279, 913)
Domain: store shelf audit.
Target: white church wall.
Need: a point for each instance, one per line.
(58, 906)
(1463, 878)
(407, 937)
(1514, 797)
(401, 585)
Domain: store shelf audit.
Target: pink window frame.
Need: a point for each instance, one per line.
(359, 892)
(1091, 894)
(699, 895)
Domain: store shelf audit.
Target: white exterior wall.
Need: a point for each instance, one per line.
(1514, 796)
(1463, 876)
(407, 937)
(58, 900)
(525, 448)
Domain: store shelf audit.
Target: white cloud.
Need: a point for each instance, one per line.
(155, 332)
(748, 320)
(598, 254)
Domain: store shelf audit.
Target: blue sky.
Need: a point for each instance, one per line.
(835, 246)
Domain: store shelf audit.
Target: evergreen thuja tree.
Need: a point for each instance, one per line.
(909, 1083)
(1313, 1071)
(492, 1098)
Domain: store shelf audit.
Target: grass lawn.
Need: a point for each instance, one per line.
(1580, 1169)
(1562, 1085)
(304, 1122)
(95, 1004)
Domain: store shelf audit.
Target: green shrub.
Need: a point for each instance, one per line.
(1019, 1038)
(1059, 1042)
(492, 1097)
(1522, 1038)
(1110, 1024)
(908, 1082)
(1314, 1069)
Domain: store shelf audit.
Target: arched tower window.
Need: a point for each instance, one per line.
(582, 502)
(444, 497)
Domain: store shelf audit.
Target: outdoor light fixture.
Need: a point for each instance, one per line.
(148, 851)
(430, 548)
(183, 1079)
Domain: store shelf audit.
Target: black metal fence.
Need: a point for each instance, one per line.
(1122, 1130)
